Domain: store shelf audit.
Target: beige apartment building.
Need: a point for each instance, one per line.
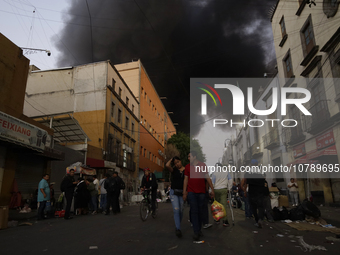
(307, 45)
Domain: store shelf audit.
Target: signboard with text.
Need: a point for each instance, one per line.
(325, 140)
(18, 131)
(299, 150)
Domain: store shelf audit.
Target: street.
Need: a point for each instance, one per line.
(127, 234)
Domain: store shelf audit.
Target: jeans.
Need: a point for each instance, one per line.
(267, 207)
(206, 209)
(256, 203)
(221, 197)
(177, 206)
(69, 197)
(103, 198)
(93, 203)
(248, 210)
(41, 209)
(197, 201)
(294, 197)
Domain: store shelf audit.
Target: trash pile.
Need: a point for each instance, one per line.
(306, 210)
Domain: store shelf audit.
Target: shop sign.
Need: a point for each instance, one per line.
(325, 140)
(299, 150)
(22, 132)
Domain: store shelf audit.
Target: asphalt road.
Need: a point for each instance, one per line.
(127, 234)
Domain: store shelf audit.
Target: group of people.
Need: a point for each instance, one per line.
(84, 193)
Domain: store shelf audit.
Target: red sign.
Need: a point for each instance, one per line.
(325, 140)
(299, 150)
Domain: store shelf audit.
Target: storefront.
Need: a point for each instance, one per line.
(26, 153)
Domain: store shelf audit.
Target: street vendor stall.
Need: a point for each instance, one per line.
(81, 169)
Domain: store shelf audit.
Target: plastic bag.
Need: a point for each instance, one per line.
(218, 210)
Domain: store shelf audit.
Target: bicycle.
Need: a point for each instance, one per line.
(146, 207)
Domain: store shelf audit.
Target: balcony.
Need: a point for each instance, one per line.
(293, 135)
(256, 150)
(272, 139)
(247, 156)
(129, 164)
(320, 118)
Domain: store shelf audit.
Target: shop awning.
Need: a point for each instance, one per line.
(325, 152)
(99, 163)
(66, 128)
(81, 169)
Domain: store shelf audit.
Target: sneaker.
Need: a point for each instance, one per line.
(94, 213)
(226, 224)
(217, 222)
(196, 237)
(205, 226)
(178, 233)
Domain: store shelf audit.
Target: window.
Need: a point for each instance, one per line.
(119, 115)
(113, 84)
(149, 102)
(287, 63)
(144, 95)
(144, 152)
(127, 101)
(132, 127)
(307, 40)
(141, 150)
(112, 109)
(153, 106)
(120, 92)
(133, 108)
(126, 123)
(283, 27)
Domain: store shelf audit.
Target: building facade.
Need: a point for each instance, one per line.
(26, 146)
(307, 50)
(156, 126)
(97, 98)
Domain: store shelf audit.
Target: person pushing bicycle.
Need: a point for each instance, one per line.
(149, 182)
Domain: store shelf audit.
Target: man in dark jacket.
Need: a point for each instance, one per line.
(149, 182)
(67, 186)
(112, 187)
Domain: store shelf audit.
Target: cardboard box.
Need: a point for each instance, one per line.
(283, 201)
(3, 217)
(273, 189)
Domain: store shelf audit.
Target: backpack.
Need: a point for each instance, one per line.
(110, 184)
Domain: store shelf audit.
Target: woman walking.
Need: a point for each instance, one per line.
(176, 192)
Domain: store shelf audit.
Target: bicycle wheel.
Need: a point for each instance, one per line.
(144, 210)
(154, 215)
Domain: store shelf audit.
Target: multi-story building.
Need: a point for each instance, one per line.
(263, 143)
(96, 98)
(155, 124)
(26, 147)
(307, 43)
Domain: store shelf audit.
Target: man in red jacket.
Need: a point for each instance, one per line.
(194, 190)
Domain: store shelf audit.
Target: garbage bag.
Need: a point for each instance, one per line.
(218, 210)
(310, 209)
(276, 213)
(297, 213)
(284, 214)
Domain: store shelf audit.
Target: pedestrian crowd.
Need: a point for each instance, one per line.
(83, 193)
(187, 185)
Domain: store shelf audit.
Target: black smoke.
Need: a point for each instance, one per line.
(186, 38)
